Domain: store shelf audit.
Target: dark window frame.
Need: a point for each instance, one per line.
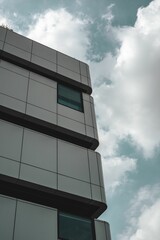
(70, 100)
(77, 216)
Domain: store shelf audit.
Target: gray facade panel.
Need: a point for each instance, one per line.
(39, 176)
(39, 150)
(41, 113)
(71, 124)
(42, 96)
(12, 103)
(44, 52)
(68, 62)
(44, 80)
(7, 215)
(3, 33)
(13, 84)
(1, 45)
(35, 222)
(14, 68)
(19, 41)
(68, 73)
(74, 186)
(73, 161)
(9, 167)
(17, 51)
(43, 62)
(10, 140)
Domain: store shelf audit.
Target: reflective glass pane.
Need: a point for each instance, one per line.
(70, 97)
(74, 228)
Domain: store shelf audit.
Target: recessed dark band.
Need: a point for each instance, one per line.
(50, 129)
(63, 201)
(43, 71)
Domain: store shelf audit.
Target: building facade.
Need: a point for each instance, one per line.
(51, 181)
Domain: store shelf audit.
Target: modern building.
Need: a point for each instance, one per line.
(51, 180)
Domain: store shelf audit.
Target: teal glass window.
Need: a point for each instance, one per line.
(70, 97)
(73, 227)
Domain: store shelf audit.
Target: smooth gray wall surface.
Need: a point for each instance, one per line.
(45, 160)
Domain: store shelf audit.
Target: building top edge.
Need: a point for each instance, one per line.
(44, 56)
(11, 30)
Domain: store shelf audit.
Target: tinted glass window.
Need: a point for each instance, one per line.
(74, 228)
(70, 97)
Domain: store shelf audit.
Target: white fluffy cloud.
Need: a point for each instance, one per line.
(143, 216)
(116, 170)
(130, 105)
(62, 31)
(4, 21)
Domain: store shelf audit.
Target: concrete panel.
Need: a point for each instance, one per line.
(94, 170)
(19, 41)
(13, 84)
(71, 124)
(93, 114)
(86, 97)
(103, 194)
(70, 113)
(39, 150)
(12, 103)
(100, 169)
(43, 63)
(83, 69)
(74, 186)
(14, 68)
(1, 45)
(7, 210)
(43, 80)
(100, 230)
(10, 140)
(2, 33)
(84, 80)
(68, 62)
(35, 222)
(96, 192)
(17, 51)
(41, 114)
(90, 131)
(73, 161)
(38, 176)
(88, 113)
(68, 73)
(88, 76)
(42, 96)
(44, 52)
(9, 167)
(95, 133)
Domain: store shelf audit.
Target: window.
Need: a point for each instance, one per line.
(73, 227)
(70, 97)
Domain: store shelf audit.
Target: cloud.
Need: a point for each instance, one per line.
(4, 21)
(62, 31)
(129, 105)
(116, 170)
(8, 20)
(143, 215)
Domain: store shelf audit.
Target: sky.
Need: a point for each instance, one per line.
(120, 41)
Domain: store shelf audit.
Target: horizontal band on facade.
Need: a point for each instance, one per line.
(47, 128)
(43, 71)
(39, 194)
